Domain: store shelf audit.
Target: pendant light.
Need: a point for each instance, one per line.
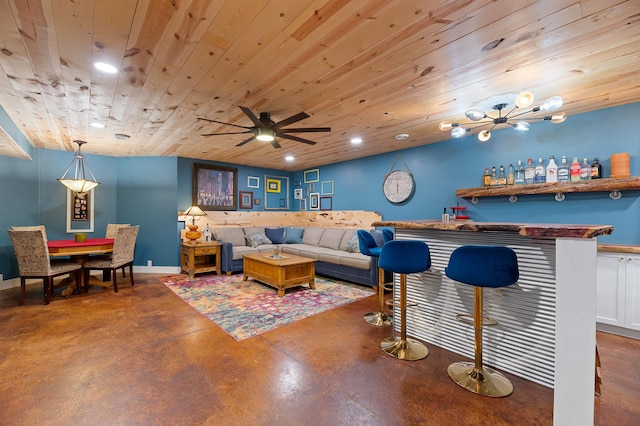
(79, 181)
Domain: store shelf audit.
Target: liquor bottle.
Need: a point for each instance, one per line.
(596, 169)
(529, 172)
(540, 175)
(511, 175)
(519, 173)
(486, 179)
(585, 170)
(494, 177)
(574, 170)
(502, 179)
(552, 171)
(563, 170)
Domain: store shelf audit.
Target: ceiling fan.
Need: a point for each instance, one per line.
(266, 129)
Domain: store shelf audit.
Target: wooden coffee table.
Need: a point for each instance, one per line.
(288, 271)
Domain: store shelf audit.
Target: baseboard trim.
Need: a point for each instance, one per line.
(620, 331)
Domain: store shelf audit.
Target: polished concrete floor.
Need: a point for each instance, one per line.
(144, 357)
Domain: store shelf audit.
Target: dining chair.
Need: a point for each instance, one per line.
(32, 254)
(112, 228)
(123, 250)
(32, 228)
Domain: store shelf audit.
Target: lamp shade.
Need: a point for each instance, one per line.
(194, 211)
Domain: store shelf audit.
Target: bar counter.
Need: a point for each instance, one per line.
(547, 326)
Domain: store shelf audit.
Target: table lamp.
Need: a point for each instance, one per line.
(194, 211)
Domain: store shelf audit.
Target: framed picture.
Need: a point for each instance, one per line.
(297, 194)
(214, 187)
(257, 201)
(253, 182)
(311, 175)
(80, 211)
(273, 185)
(303, 204)
(314, 201)
(326, 203)
(327, 187)
(246, 199)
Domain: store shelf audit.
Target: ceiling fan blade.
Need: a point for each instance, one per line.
(305, 129)
(275, 144)
(252, 116)
(222, 122)
(299, 116)
(226, 133)
(246, 141)
(297, 139)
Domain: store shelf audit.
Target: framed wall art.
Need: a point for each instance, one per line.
(273, 185)
(326, 203)
(297, 193)
(314, 201)
(246, 199)
(80, 211)
(214, 187)
(311, 175)
(253, 182)
(276, 192)
(327, 187)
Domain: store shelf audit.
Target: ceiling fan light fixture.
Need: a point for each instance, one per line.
(265, 135)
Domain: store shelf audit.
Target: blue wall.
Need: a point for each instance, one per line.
(151, 190)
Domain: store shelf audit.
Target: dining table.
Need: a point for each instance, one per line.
(80, 252)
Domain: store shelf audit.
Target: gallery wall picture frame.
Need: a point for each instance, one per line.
(303, 204)
(214, 187)
(246, 199)
(273, 185)
(311, 175)
(257, 201)
(314, 201)
(80, 219)
(326, 203)
(253, 182)
(297, 193)
(327, 187)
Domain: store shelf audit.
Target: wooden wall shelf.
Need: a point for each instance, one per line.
(611, 185)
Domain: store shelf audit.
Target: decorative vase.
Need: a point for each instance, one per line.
(80, 237)
(620, 165)
(193, 234)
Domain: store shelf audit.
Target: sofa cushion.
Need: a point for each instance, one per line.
(256, 239)
(276, 235)
(293, 235)
(356, 260)
(331, 238)
(312, 236)
(350, 244)
(253, 229)
(234, 236)
(240, 251)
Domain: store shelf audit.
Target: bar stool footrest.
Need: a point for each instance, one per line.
(396, 304)
(468, 319)
(379, 319)
(409, 350)
(485, 381)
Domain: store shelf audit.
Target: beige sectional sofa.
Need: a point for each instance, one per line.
(335, 250)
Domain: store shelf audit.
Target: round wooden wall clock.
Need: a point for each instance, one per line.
(398, 185)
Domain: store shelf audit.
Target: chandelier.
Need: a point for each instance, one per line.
(506, 109)
(80, 181)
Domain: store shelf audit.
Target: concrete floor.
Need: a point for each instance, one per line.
(144, 357)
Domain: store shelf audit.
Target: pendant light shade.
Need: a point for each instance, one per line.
(80, 179)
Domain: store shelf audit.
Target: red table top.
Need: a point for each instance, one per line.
(74, 243)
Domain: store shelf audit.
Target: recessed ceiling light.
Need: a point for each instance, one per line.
(402, 136)
(97, 125)
(122, 136)
(356, 141)
(289, 158)
(106, 67)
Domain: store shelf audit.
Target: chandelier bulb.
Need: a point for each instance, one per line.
(484, 136)
(458, 132)
(475, 114)
(558, 117)
(445, 125)
(552, 104)
(522, 126)
(524, 99)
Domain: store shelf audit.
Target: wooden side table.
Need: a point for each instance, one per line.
(196, 258)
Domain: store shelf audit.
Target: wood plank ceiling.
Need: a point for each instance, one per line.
(371, 69)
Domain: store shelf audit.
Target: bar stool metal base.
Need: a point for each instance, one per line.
(483, 381)
(409, 349)
(379, 319)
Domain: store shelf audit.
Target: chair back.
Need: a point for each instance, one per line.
(31, 251)
(124, 244)
(405, 256)
(387, 235)
(32, 228)
(368, 245)
(112, 228)
(483, 266)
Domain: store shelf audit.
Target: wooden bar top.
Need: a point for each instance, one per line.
(523, 229)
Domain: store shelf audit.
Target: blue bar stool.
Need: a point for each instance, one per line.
(481, 266)
(404, 257)
(368, 247)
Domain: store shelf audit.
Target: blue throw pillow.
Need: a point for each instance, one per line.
(276, 235)
(293, 235)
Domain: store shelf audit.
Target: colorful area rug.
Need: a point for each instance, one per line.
(248, 308)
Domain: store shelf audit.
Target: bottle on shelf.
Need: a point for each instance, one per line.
(530, 172)
(486, 179)
(563, 170)
(511, 177)
(574, 170)
(596, 169)
(502, 178)
(540, 174)
(519, 177)
(494, 177)
(585, 170)
(552, 171)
